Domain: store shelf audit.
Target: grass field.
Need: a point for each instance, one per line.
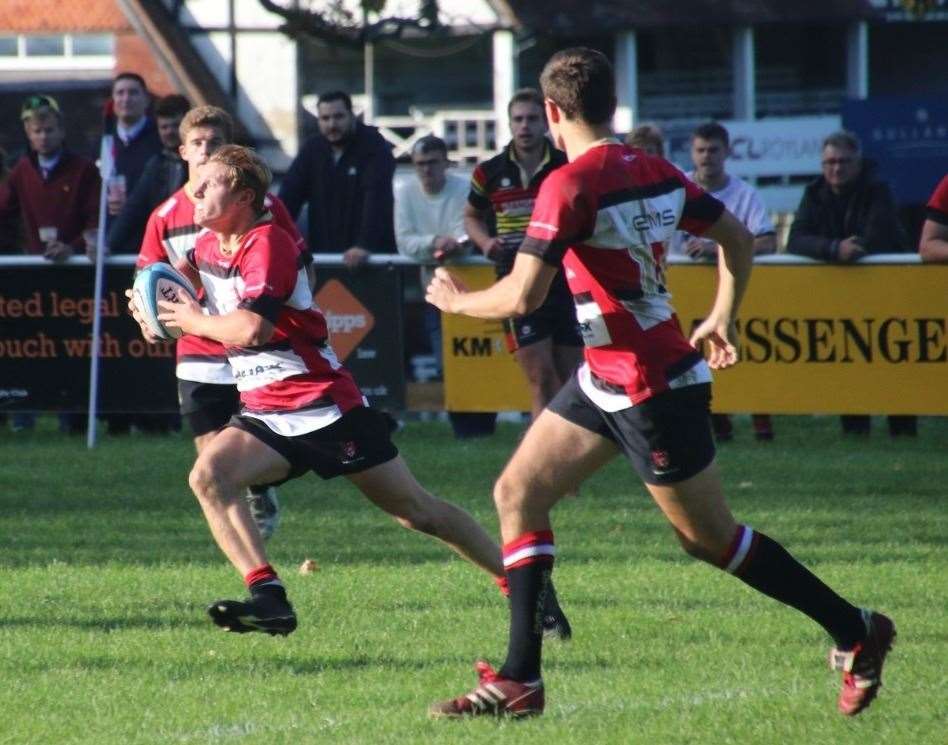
(106, 566)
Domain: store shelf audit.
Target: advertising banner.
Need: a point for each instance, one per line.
(479, 373)
(785, 146)
(364, 313)
(864, 339)
(907, 138)
(45, 338)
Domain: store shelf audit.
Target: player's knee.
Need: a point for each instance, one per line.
(698, 549)
(509, 495)
(205, 479)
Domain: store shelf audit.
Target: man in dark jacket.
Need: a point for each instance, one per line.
(164, 174)
(847, 212)
(844, 215)
(344, 173)
(136, 139)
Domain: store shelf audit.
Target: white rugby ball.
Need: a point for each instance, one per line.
(157, 282)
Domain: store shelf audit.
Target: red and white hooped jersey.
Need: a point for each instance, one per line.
(294, 383)
(169, 235)
(607, 216)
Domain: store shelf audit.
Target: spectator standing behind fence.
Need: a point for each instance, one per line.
(163, 175)
(546, 343)
(933, 246)
(344, 176)
(429, 228)
(710, 147)
(54, 194)
(844, 215)
(136, 139)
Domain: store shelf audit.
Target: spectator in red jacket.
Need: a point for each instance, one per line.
(54, 193)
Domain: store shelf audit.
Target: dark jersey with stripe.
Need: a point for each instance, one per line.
(606, 216)
(497, 185)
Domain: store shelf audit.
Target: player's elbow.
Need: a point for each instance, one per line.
(256, 332)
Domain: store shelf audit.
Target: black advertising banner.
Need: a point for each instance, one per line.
(364, 313)
(46, 338)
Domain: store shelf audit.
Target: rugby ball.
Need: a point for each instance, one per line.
(155, 283)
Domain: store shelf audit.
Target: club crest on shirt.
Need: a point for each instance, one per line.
(350, 452)
(661, 462)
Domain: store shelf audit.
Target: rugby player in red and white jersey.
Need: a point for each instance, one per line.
(643, 390)
(301, 410)
(207, 393)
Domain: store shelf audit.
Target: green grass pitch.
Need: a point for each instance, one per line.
(106, 566)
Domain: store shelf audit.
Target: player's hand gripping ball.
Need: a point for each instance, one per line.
(155, 283)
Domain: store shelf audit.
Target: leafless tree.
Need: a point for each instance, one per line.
(334, 23)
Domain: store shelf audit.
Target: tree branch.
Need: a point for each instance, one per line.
(337, 25)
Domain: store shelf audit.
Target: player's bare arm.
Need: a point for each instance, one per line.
(520, 292)
(475, 224)
(239, 328)
(933, 245)
(735, 260)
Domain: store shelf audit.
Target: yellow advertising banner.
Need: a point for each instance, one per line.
(814, 338)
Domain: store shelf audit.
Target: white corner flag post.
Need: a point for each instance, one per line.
(106, 166)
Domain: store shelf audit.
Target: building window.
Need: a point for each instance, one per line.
(45, 46)
(57, 52)
(801, 69)
(685, 73)
(89, 45)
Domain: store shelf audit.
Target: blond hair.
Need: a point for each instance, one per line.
(245, 170)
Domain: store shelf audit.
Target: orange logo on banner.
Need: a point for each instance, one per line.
(349, 321)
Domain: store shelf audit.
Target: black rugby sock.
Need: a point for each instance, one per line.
(529, 563)
(768, 567)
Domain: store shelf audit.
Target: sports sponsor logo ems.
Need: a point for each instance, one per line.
(656, 219)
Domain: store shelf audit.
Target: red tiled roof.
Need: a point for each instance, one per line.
(30, 16)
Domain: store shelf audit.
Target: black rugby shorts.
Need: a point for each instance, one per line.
(666, 438)
(207, 407)
(357, 441)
